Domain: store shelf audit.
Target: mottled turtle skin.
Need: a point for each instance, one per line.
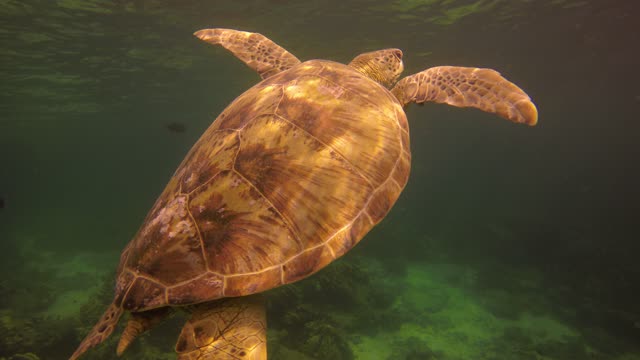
(288, 178)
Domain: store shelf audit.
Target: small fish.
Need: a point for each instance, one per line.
(176, 127)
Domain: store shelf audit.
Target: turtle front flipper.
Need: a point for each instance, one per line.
(484, 89)
(227, 329)
(257, 51)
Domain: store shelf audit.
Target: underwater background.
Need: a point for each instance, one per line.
(509, 242)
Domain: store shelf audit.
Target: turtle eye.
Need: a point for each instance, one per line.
(398, 53)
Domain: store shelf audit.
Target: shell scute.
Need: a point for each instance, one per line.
(236, 240)
(306, 263)
(208, 286)
(123, 282)
(315, 192)
(252, 283)
(144, 294)
(213, 153)
(167, 247)
(360, 129)
(260, 99)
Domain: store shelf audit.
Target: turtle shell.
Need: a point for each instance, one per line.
(288, 178)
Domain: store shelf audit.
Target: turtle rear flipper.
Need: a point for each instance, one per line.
(256, 50)
(484, 89)
(100, 331)
(227, 329)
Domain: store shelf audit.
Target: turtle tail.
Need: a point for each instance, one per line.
(100, 331)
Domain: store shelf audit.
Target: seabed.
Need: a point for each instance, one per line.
(357, 308)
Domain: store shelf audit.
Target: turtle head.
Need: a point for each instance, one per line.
(383, 66)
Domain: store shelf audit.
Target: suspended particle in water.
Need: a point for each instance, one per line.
(177, 127)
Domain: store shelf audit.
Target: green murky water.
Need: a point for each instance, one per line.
(509, 242)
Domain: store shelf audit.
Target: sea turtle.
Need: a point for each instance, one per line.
(288, 178)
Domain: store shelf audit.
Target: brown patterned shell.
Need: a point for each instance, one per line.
(288, 178)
